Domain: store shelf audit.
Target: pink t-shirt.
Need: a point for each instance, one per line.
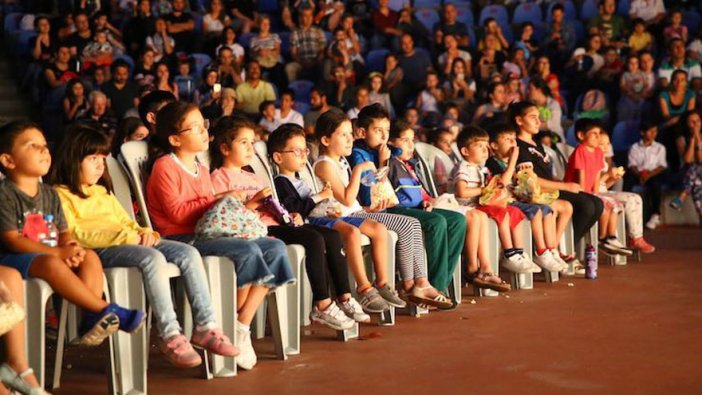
(592, 162)
(177, 198)
(225, 180)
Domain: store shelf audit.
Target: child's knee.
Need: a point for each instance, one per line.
(10, 276)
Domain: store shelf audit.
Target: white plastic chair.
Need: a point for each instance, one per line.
(525, 280)
(430, 153)
(37, 293)
(134, 156)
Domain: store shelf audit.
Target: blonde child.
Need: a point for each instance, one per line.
(26, 244)
(503, 141)
(179, 191)
(334, 133)
(97, 220)
(469, 180)
(231, 153)
(584, 167)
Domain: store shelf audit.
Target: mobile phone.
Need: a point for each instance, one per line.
(217, 88)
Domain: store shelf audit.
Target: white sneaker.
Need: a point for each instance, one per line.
(247, 356)
(557, 257)
(653, 222)
(528, 262)
(353, 310)
(516, 263)
(548, 262)
(618, 247)
(332, 317)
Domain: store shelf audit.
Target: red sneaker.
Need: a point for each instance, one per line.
(215, 342)
(641, 245)
(178, 351)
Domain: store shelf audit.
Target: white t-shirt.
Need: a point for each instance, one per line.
(292, 117)
(472, 175)
(647, 157)
(646, 9)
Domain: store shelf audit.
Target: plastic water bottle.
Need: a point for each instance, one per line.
(590, 262)
(51, 238)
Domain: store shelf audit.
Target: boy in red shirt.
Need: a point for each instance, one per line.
(585, 166)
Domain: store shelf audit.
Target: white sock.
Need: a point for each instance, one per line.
(207, 327)
(242, 327)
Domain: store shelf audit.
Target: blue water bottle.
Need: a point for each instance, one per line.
(51, 238)
(590, 262)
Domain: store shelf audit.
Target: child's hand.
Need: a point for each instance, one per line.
(297, 219)
(72, 254)
(326, 193)
(573, 187)
(262, 194)
(367, 165)
(428, 206)
(514, 153)
(383, 154)
(149, 239)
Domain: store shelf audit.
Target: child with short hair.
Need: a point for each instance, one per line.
(647, 162)
(585, 165)
(468, 181)
(444, 229)
(334, 133)
(676, 29)
(26, 244)
(432, 97)
(97, 220)
(640, 39)
(503, 141)
(231, 153)
(179, 192)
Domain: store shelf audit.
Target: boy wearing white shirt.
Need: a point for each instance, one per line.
(647, 162)
(286, 113)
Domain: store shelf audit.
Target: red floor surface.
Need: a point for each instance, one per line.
(635, 330)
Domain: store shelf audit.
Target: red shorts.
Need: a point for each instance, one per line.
(498, 214)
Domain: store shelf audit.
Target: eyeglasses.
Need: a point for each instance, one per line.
(299, 152)
(200, 128)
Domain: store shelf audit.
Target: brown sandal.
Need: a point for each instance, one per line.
(481, 280)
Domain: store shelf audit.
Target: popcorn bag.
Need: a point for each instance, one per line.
(527, 189)
(495, 193)
(382, 190)
(328, 208)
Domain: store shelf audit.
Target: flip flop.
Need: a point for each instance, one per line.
(440, 300)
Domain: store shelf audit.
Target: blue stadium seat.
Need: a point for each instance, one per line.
(200, 60)
(458, 2)
(128, 60)
(464, 14)
(12, 21)
(472, 39)
(302, 90)
(268, 6)
(23, 42)
(588, 10)
(570, 136)
(625, 134)
(623, 7)
(198, 20)
(284, 43)
(496, 11)
(245, 39)
(527, 12)
(375, 59)
(397, 4)
(302, 108)
(427, 3)
(427, 17)
(571, 13)
(692, 20)
(579, 29)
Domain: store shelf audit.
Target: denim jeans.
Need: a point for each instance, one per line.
(262, 261)
(152, 262)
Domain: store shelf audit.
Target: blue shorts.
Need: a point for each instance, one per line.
(330, 222)
(531, 209)
(19, 262)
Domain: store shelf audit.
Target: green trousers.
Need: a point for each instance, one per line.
(444, 236)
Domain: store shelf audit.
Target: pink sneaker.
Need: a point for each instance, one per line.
(641, 245)
(178, 351)
(215, 341)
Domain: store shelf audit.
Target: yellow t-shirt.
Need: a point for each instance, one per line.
(99, 221)
(637, 42)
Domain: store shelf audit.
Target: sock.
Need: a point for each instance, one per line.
(207, 327)
(243, 328)
(540, 251)
(381, 284)
(363, 288)
(519, 250)
(510, 252)
(611, 237)
(604, 239)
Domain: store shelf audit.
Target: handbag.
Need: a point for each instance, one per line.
(230, 218)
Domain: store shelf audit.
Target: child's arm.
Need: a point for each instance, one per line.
(19, 244)
(291, 199)
(511, 165)
(581, 180)
(463, 191)
(178, 210)
(596, 186)
(345, 195)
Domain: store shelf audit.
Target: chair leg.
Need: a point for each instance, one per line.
(495, 251)
(60, 345)
(37, 293)
(277, 317)
(222, 280)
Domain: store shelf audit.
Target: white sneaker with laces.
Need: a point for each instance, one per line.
(332, 317)
(247, 357)
(353, 310)
(557, 257)
(528, 262)
(653, 222)
(548, 262)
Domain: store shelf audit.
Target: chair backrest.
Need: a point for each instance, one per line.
(589, 9)
(426, 3)
(571, 138)
(301, 107)
(465, 14)
(307, 175)
(625, 134)
(245, 39)
(427, 17)
(692, 20)
(135, 155)
(302, 89)
(375, 59)
(496, 11)
(623, 7)
(426, 175)
(527, 12)
(120, 184)
(201, 61)
(12, 21)
(430, 154)
(570, 12)
(261, 166)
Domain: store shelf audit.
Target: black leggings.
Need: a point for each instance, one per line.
(323, 254)
(587, 210)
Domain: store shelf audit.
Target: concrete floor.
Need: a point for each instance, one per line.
(635, 330)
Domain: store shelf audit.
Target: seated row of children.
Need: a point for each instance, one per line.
(94, 231)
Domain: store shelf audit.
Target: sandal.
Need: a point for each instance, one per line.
(417, 297)
(16, 382)
(483, 280)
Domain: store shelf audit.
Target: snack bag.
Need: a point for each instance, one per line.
(495, 193)
(527, 189)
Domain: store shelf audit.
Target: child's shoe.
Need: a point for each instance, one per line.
(16, 381)
(332, 317)
(372, 302)
(548, 262)
(214, 341)
(96, 327)
(653, 222)
(612, 245)
(557, 257)
(676, 204)
(642, 245)
(247, 356)
(129, 320)
(516, 263)
(353, 310)
(178, 351)
(391, 296)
